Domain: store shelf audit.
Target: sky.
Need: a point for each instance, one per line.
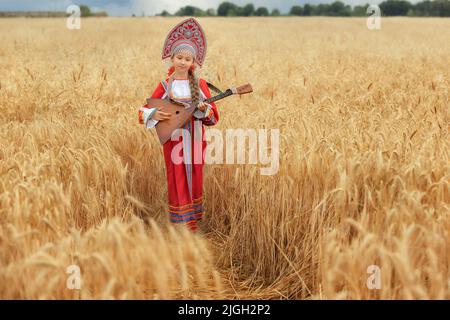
(151, 7)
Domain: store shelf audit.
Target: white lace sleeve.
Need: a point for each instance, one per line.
(148, 114)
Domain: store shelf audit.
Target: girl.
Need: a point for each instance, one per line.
(186, 47)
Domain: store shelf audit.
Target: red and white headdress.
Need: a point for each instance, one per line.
(187, 35)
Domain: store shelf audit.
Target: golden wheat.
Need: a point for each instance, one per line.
(364, 173)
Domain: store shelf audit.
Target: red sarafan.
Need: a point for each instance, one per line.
(185, 177)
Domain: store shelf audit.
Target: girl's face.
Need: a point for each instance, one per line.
(182, 61)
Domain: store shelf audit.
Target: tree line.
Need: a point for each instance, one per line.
(85, 11)
(436, 8)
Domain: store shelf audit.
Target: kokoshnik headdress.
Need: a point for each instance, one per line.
(188, 36)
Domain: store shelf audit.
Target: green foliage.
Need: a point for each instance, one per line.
(190, 11)
(85, 11)
(436, 8)
(248, 10)
(395, 7)
(227, 9)
(165, 13)
(307, 10)
(211, 12)
(275, 13)
(360, 11)
(296, 11)
(262, 11)
(426, 8)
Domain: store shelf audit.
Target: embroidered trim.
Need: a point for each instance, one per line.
(195, 202)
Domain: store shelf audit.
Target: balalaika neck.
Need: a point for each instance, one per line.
(224, 94)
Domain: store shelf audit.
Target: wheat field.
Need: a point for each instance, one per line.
(364, 175)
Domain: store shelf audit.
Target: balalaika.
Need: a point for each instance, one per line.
(182, 112)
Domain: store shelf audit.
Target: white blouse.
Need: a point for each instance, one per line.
(180, 91)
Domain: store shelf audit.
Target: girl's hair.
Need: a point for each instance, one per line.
(193, 83)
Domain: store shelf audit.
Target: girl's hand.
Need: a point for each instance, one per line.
(161, 116)
(202, 106)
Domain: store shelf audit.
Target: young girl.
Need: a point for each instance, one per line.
(186, 47)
